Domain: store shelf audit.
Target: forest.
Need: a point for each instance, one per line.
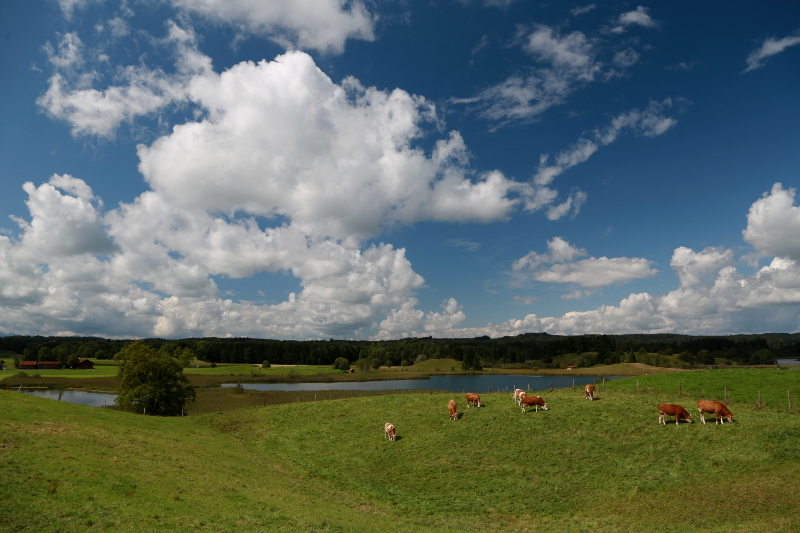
(531, 350)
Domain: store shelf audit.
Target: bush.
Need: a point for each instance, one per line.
(341, 364)
(21, 374)
(265, 364)
(420, 358)
(238, 389)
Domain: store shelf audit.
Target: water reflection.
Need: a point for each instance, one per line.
(482, 383)
(93, 399)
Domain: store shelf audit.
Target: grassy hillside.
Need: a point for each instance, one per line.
(602, 466)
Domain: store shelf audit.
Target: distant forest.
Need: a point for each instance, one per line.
(530, 350)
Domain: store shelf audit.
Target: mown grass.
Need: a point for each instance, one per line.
(743, 385)
(604, 466)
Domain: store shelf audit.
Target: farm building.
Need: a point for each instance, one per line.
(84, 364)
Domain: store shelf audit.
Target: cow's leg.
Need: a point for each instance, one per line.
(702, 415)
(677, 419)
(661, 419)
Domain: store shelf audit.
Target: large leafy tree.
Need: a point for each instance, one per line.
(151, 382)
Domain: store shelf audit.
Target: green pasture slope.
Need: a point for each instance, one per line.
(602, 466)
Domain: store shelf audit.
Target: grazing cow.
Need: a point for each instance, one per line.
(535, 401)
(389, 433)
(451, 406)
(519, 393)
(473, 398)
(672, 409)
(590, 392)
(720, 411)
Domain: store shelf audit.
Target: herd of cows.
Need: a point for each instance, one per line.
(718, 409)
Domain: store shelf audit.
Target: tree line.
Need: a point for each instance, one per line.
(540, 349)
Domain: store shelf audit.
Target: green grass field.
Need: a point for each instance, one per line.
(602, 466)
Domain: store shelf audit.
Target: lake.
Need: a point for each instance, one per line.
(479, 384)
(93, 399)
(789, 361)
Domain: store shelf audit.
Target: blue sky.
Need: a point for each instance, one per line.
(324, 169)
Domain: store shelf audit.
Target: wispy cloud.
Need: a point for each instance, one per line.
(637, 17)
(582, 10)
(768, 48)
(650, 122)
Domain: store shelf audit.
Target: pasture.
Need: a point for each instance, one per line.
(601, 466)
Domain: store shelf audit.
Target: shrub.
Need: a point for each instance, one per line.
(265, 364)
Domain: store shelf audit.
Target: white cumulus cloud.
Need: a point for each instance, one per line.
(560, 265)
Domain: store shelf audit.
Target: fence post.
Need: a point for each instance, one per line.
(637, 384)
(759, 398)
(726, 393)
(604, 383)
(789, 399)
(573, 383)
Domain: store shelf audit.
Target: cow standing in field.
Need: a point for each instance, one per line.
(535, 401)
(589, 392)
(451, 406)
(389, 433)
(518, 394)
(720, 411)
(672, 409)
(473, 398)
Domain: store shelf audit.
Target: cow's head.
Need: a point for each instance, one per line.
(545, 407)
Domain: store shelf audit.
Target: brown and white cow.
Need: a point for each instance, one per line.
(720, 411)
(671, 409)
(518, 393)
(388, 430)
(473, 399)
(451, 406)
(535, 401)
(589, 391)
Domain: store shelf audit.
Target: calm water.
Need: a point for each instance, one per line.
(93, 399)
(450, 383)
(477, 384)
(789, 361)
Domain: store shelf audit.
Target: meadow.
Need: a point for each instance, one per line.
(601, 466)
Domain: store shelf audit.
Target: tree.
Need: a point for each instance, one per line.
(151, 382)
(341, 364)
